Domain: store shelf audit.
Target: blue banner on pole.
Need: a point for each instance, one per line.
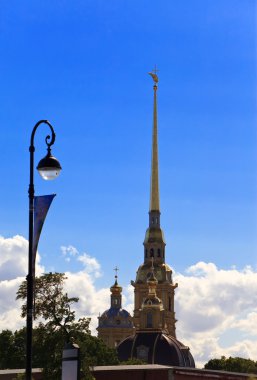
(41, 207)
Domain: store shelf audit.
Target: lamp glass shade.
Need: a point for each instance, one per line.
(48, 173)
(49, 167)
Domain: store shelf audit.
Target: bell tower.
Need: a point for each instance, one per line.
(115, 324)
(155, 340)
(154, 242)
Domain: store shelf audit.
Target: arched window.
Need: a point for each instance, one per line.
(159, 252)
(149, 320)
(151, 252)
(145, 252)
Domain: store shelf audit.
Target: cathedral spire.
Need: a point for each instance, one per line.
(154, 196)
(154, 239)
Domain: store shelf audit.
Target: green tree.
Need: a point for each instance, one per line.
(59, 325)
(232, 365)
(51, 302)
(12, 349)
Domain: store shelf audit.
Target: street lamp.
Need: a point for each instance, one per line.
(49, 168)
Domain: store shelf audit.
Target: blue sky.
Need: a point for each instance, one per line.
(83, 66)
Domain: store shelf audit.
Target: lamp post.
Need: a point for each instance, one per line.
(49, 168)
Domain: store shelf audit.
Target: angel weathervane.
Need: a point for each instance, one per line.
(154, 75)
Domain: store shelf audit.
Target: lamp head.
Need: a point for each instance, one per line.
(49, 167)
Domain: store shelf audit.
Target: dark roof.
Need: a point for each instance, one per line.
(155, 348)
(115, 317)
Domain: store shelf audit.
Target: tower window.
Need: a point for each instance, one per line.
(146, 253)
(151, 252)
(152, 220)
(159, 252)
(169, 304)
(149, 320)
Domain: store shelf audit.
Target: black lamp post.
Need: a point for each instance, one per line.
(49, 168)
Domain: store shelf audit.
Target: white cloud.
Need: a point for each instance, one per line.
(70, 250)
(91, 301)
(91, 265)
(216, 308)
(82, 284)
(13, 257)
(13, 270)
(128, 298)
(247, 324)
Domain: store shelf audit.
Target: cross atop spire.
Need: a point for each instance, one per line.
(155, 70)
(116, 273)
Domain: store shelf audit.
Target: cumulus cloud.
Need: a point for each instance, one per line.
(81, 284)
(69, 252)
(89, 263)
(13, 257)
(128, 298)
(13, 270)
(216, 308)
(247, 324)
(217, 311)
(92, 301)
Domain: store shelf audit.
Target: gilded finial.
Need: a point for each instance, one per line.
(153, 74)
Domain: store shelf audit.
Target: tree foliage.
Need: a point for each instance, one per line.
(57, 326)
(51, 302)
(232, 365)
(12, 353)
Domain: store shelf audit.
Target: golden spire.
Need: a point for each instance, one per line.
(154, 197)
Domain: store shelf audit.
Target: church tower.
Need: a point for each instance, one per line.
(115, 324)
(152, 311)
(154, 243)
(155, 340)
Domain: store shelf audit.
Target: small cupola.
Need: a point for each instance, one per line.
(116, 291)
